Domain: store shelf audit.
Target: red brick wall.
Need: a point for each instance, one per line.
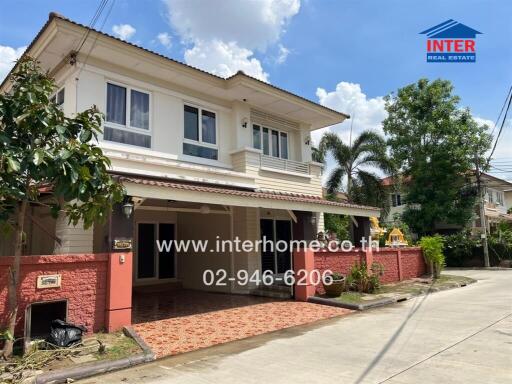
(389, 259)
(413, 263)
(399, 263)
(84, 285)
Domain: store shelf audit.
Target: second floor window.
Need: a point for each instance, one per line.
(271, 141)
(499, 198)
(200, 133)
(127, 119)
(58, 98)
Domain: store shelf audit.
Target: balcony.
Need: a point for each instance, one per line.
(276, 163)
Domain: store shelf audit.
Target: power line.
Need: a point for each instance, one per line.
(509, 96)
(91, 25)
(502, 108)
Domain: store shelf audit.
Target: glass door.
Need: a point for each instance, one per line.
(271, 259)
(155, 262)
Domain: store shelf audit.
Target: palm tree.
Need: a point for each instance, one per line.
(354, 162)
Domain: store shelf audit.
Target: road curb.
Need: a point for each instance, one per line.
(385, 301)
(96, 368)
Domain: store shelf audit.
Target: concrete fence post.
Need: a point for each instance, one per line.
(399, 264)
(368, 258)
(119, 291)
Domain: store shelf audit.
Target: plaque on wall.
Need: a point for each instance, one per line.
(122, 244)
(48, 281)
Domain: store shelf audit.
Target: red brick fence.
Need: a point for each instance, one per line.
(97, 288)
(399, 264)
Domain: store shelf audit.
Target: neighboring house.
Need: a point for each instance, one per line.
(200, 156)
(497, 202)
(396, 198)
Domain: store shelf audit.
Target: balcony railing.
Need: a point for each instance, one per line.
(284, 164)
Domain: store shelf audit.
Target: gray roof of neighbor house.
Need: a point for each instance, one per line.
(240, 74)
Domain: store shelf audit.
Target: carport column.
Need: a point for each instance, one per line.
(120, 267)
(304, 263)
(119, 291)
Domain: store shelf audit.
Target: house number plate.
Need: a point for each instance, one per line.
(122, 244)
(49, 281)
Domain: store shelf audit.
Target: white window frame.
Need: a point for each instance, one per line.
(128, 127)
(55, 95)
(500, 197)
(279, 131)
(200, 141)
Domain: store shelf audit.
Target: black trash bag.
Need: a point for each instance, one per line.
(64, 334)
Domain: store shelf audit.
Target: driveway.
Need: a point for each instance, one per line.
(458, 336)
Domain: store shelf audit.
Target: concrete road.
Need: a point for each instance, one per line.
(458, 336)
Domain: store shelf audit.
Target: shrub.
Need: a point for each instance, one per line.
(363, 281)
(432, 247)
(500, 243)
(338, 224)
(460, 248)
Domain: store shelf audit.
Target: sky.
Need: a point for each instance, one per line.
(346, 54)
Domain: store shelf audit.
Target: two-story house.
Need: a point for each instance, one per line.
(497, 203)
(201, 157)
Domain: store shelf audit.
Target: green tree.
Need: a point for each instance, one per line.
(355, 163)
(42, 148)
(436, 144)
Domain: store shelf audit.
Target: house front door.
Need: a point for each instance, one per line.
(155, 260)
(276, 260)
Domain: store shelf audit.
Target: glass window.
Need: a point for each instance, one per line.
(127, 137)
(191, 123)
(256, 136)
(200, 151)
(275, 143)
(139, 109)
(396, 200)
(266, 150)
(284, 145)
(208, 127)
(116, 104)
(58, 98)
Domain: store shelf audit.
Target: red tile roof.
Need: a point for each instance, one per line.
(271, 195)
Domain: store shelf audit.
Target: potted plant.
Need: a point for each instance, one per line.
(334, 284)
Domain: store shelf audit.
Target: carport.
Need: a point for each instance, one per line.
(178, 320)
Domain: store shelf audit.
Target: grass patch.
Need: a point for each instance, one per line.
(351, 297)
(408, 287)
(118, 346)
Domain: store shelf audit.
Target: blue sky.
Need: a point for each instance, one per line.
(370, 47)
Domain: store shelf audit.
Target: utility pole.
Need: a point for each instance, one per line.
(483, 221)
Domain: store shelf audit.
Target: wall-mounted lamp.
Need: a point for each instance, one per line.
(245, 122)
(128, 208)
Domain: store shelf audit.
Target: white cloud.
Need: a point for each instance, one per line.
(8, 56)
(123, 31)
(366, 113)
(165, 39)
(282, 55)
(224, 59)
(232, 30)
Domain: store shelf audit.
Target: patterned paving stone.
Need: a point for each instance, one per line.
(187, 320)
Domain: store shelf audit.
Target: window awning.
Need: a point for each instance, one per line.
(203, 193)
